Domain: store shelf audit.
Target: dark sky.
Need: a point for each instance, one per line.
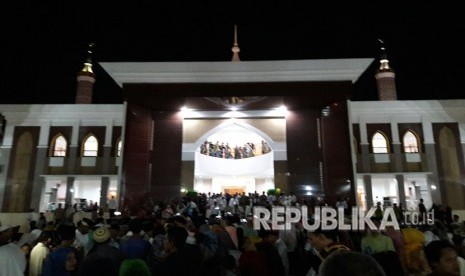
(44, 46)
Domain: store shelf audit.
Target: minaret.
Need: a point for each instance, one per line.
(85, 80)
(385, 78)
(235, 49)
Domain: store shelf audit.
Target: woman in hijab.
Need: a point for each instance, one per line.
(61, 262)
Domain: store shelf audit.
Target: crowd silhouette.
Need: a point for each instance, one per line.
(213, 234)
(224, 150)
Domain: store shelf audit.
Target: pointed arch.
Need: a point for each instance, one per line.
(411, 142)
(380, 142)
(90, 146)
(59, 146)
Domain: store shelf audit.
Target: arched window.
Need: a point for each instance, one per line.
(410, 142)
(59, 146)
(379, 143)
(119, 144)
(90, 146)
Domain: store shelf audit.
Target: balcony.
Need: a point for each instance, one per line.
(81, 165)
(386, 163)
(414, 162)
(381, 162)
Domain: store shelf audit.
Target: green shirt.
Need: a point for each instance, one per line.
(375, 244)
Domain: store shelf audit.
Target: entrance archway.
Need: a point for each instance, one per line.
(234, 158)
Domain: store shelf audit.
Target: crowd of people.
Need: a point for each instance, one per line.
(213, 234)
(222, 150)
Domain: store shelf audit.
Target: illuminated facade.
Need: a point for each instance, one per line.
(321, 144)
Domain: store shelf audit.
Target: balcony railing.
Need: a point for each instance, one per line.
(82, 165)
(386, 162)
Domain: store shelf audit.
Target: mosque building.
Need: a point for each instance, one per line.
(233, 127)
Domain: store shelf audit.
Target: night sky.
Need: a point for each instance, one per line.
(44, 46)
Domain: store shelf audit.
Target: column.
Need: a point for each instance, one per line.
(4, 161)
(304, 164)
(73, 149)
(53, 194)
(365, 148)
(107, 147)
(431, 165)
(104, 191)
(365, 158)
(397, 162)
(137, 155)
(166, 164)
(433, 187)
(69, 200)
(401, 188)
(41, 166)
(462, 138)
(368, 191)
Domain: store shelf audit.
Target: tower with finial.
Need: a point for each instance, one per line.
(86, 80)
(235, 49)
(385, 78)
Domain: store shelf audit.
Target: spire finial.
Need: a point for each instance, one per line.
(383, 57)
(89, 52)
(385, 77)
(235, 49)
(87, 69)
(85, 80)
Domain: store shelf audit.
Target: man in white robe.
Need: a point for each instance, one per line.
(12, 259)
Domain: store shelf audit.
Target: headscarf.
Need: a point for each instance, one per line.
(134, 267)
(413, 246)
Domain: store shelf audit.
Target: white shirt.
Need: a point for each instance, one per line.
(282, 250)
(232, 202)
(191, 205)
(293, 199)
(82, 241)
(37, 259)
(461, 265)
(289, 237)
(112, 204)
(12, 260)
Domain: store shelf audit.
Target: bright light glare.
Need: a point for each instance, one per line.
(282, 108)
(234, 114)
(279, 111)
(185, 112)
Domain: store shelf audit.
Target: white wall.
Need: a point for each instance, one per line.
(264, 187)
(88, 189)
(258, 166)
(384, 187)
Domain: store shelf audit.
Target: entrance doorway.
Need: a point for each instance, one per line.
(233, 158)
(234, 190)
